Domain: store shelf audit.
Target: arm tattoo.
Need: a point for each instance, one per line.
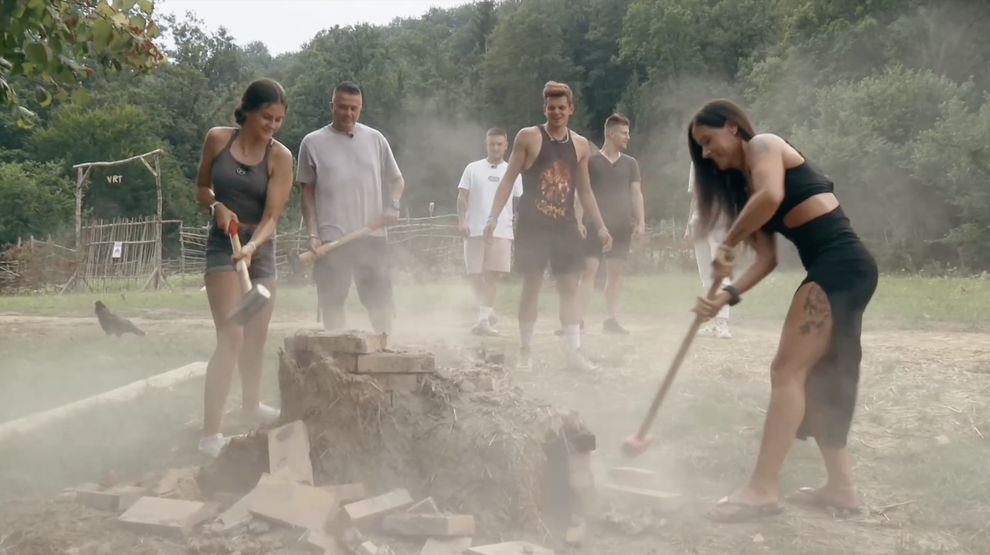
(758, 147)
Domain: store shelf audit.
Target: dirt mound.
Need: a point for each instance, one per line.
(466, 437)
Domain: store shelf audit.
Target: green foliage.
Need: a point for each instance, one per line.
(50, 44)
(36, 198)
(888, 96)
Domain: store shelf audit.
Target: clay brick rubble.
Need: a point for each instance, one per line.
(339, 518)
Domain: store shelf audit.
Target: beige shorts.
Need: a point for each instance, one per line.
(479, 255)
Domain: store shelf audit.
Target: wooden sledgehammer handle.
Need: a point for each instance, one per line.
(309, 256)
(242, 270)
(644, 428)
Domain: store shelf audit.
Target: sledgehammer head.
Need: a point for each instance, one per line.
(252, 303)
(636, 445)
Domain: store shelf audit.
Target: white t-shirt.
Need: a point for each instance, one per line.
(694, 212)
(481, 180)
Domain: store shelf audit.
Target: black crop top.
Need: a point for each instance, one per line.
(800, 183)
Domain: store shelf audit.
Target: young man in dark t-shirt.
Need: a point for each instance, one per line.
(616, 184)
(553, 163)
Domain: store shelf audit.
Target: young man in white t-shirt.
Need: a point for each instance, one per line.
(475, 192)
(704, 249)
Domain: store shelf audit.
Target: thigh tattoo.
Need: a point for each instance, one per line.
(817, 312)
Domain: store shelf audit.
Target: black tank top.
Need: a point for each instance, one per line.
(549, 184)
(241, 188)
(828, 236)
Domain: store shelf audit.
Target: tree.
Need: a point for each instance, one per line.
(52, 44)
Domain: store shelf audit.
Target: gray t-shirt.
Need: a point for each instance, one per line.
(612, 186)
(351, 174)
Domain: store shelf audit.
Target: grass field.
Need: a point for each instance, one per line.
(918, 439)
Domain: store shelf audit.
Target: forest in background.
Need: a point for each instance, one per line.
(890, 97)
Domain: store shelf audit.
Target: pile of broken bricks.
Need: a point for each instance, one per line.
(331, 519)
(343, 519)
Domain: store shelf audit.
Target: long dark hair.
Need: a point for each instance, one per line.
(719, 192)
(259, 93)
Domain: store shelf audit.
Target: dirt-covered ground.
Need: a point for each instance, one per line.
(919, 441)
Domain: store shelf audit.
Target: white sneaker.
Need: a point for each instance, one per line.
(484, 327)
(576, 360)
(262, 413)
(525, 360)
(722, 329)
(708, 329)
(212, 445)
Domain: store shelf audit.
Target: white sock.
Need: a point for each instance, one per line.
(573, 335)
(526, 333)
(485, 312)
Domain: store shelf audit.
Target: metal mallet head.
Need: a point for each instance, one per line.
(636, 445)
(250, 304)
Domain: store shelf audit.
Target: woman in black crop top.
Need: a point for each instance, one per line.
(765, 187)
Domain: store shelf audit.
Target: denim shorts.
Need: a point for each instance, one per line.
(219, 251)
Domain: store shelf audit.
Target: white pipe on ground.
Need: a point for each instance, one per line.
(129, 391)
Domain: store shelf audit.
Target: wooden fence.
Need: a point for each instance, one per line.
(119, 255)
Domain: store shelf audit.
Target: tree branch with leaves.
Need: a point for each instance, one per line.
(52, 44)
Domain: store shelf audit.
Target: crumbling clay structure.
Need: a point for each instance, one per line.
(391, 420)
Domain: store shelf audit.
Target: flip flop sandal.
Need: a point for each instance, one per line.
(746, 512)
(807, 497)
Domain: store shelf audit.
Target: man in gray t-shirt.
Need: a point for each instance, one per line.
(343, 170)
(617, 184)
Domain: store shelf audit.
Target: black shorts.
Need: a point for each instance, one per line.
(364, 261)
(537, 245)
(621, 244)
(219, 251)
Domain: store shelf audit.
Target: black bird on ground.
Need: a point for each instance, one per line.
(113, 324)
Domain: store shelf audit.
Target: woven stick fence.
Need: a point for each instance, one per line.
(121, 254)
(33, 266)
(430, 247)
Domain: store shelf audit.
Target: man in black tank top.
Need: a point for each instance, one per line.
(553, 162)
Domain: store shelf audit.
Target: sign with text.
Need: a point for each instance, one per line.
(118, 249)
(115, 179)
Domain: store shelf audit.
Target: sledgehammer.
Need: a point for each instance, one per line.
(255, 298)
(309, 256)
(639, 443)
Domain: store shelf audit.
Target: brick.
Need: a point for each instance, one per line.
(168, 517)
(509, 548)
(322, 541)
(177, 480)
(397, 362)
(288, 453)
(367, 548)
(345, 362)
(633, 477)
(662, 501)
(238, 513)
(119, 498)
(484, 383)
(575, 534)
(352, 342)
(425, 507)
(411, 524)
(397, 382)
(294, 504)
(445, 546)
(372, 510)
(347, 493)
